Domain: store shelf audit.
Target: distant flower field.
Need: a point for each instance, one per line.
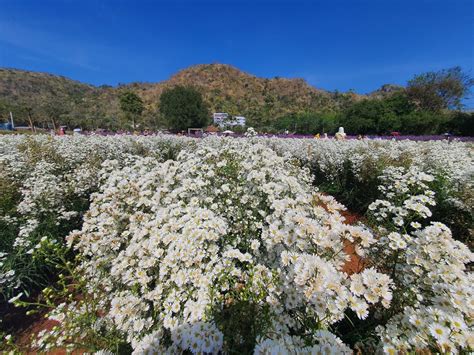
(166, 245)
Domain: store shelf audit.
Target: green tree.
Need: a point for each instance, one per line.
(423, 122)
(444, 89)
(28, 110)
(132, 106)
(183, 107)
(54, 110)
(369, 116)
(306, 123)
(399, 103)
(461, 123)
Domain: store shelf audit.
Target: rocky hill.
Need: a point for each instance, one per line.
(224, 88)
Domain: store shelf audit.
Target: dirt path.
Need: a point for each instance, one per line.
(356, 263)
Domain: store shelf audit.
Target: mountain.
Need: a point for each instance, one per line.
(386, 90)
(224, 88)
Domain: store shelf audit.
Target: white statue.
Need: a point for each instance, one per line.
(341, 135)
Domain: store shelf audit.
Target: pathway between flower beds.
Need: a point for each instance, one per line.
(356, 264)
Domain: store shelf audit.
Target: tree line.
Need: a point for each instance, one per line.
(431, 103)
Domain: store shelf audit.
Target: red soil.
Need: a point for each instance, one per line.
(356, 263)
(24, 338)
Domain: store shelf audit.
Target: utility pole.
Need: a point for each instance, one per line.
(11, 117)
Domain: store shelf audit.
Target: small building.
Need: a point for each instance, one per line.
(223, 119)
(239, 121)
(220, 118)
(196, 132)
(211, 129)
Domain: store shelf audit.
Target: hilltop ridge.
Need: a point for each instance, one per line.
(224, 88)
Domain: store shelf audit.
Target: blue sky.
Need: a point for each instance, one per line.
(342, 45)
